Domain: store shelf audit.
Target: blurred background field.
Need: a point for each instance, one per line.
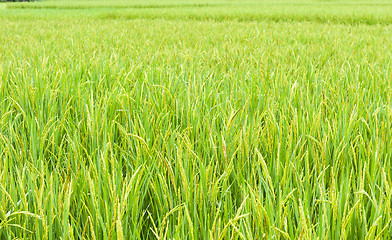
(346, 12)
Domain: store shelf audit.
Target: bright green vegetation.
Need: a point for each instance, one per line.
(187, 120)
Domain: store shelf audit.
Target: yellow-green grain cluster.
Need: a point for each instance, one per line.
(196, 120)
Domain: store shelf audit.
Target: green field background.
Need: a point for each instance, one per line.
(196, 120)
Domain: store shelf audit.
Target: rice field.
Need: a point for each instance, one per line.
(221, 119)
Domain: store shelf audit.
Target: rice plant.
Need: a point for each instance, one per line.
(187, 120)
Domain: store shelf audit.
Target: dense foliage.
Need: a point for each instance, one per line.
(183, 120)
